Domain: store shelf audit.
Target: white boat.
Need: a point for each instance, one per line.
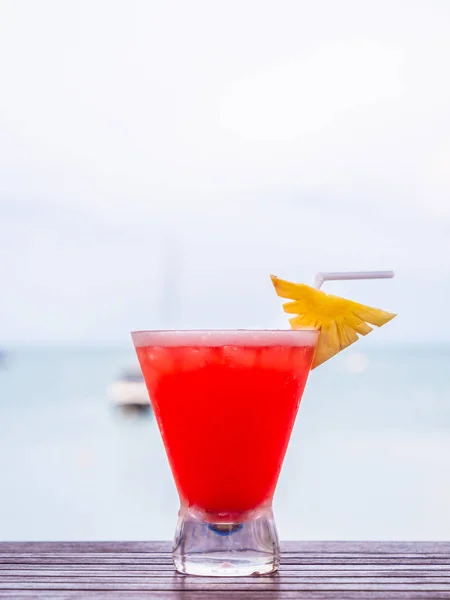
(129, 391)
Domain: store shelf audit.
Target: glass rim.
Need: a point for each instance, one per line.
(306, 336)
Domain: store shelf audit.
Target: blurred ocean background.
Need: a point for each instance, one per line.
(369, 457)
(158, 159)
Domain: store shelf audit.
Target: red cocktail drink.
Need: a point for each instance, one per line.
(225, 403)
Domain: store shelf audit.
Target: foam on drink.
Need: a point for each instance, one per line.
(219, 338)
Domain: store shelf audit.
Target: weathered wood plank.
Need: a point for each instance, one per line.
(167, 564)
(286, 547)
(285, 557)
(158, 595)
(155, 583)
(393, 571)
(217, 585)
(167, 557)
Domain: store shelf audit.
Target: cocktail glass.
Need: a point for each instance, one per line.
(225, 403)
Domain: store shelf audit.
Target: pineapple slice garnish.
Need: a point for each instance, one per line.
(338, 319)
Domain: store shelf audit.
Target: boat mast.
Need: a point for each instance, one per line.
(170, 288)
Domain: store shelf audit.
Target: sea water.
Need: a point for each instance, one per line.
(369, 457)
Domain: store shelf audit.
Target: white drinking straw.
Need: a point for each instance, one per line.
(321, 277)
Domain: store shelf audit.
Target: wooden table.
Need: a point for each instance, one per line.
(309, 570)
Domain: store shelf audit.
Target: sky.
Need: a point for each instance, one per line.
(159, 159)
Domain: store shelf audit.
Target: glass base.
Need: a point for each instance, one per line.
(226, 549)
